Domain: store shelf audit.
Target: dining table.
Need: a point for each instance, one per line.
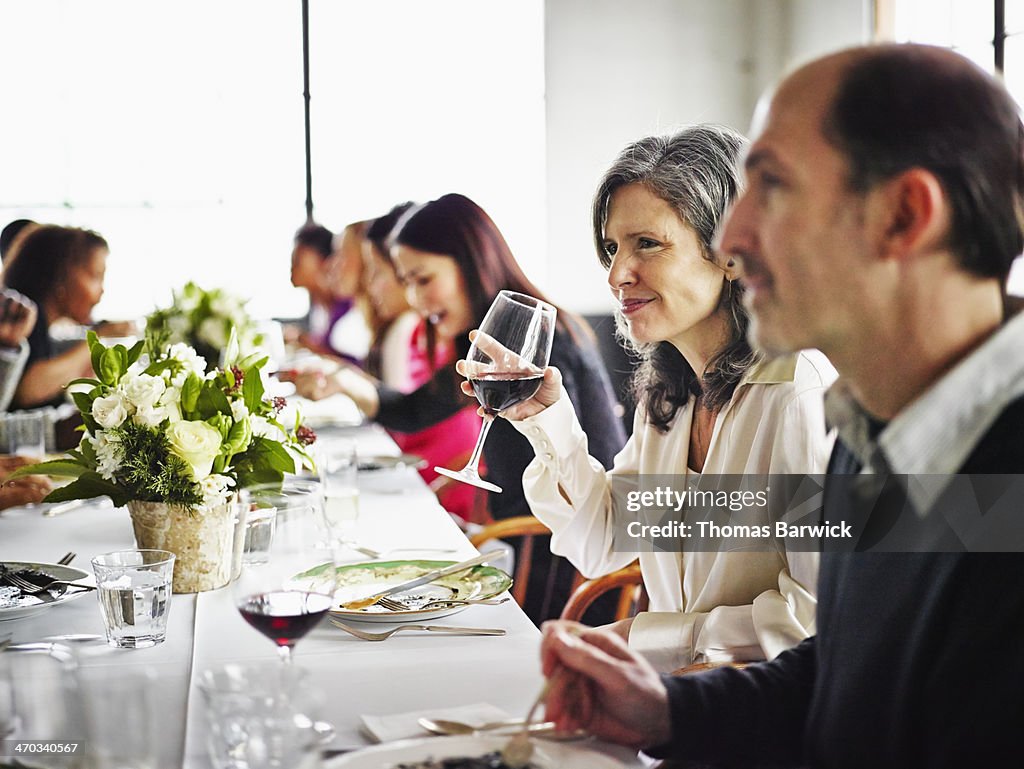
(415, 671)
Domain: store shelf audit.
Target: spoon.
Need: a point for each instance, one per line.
(446, 727)
(519, 750)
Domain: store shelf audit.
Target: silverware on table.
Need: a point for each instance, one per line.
(440, 629)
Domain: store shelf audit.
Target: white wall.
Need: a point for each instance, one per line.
(616, 71)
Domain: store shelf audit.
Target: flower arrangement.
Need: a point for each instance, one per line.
(169, 431)
(204, 320)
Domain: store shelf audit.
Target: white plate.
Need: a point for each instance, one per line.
(358, 580)
(547, 755)
(28, 605)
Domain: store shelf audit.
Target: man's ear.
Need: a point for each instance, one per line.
(913, 214)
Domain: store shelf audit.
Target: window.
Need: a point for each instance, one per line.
(176, 130)
(990, 34)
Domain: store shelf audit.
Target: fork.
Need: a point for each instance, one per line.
(393, 604)
(367, 636)
(67, 558)
(31, 588)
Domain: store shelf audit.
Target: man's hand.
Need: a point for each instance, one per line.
(17, 318)
(603, 687)
(550, 389)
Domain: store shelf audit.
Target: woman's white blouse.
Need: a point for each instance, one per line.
(703, 606)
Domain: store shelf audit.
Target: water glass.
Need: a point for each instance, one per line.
(120, 713)
(134, 590)
(24, 434)
(262, 717)
(339, 470)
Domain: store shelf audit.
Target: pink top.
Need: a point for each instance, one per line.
(448, 442)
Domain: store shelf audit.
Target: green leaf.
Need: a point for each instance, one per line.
(110, 367)
(252, 388)
(122, 353)
(58, 468)
(83, 401)
(93, 382)
(221, 423)
(89, 486)
(136, 351)
(96, 350)
(212, 400)
(277, 456)
(239, 436)
(190, 392)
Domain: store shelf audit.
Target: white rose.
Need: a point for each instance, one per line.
(144, 391)
(149, 416)
(197, 443)
(110, 411)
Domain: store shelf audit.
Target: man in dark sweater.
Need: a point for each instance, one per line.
(881, 218)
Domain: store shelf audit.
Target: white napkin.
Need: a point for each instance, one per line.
(401, 726)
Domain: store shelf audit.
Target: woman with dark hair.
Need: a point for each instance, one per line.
(61, 269)
(398, 358)
(453, 261)
(707, 404)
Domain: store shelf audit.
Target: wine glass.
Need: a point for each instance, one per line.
(505, 365)
(285, 592)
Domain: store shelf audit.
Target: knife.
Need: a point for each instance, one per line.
(430, 576)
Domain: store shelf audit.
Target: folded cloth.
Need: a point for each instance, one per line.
(401, 726)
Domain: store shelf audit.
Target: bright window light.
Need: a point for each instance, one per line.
(176, 130)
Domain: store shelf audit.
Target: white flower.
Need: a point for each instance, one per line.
(108, 454)
(264, 429)
(215, 489)
(149, 416)
(195, 442)
(213, 333)
(238, 410)
(144, 391)
(225, 305)
(189, 362)
(171, 403)
(110, 411)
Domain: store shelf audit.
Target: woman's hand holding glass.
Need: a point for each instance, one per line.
(548, 393)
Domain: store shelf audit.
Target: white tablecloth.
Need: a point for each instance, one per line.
(407, 672)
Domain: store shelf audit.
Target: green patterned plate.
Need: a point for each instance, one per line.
(359, 580)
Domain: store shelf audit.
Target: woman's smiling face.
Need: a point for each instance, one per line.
(435, 288)
(667, 290)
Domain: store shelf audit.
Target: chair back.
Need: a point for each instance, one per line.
(627, 580)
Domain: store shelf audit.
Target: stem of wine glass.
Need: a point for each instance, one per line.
(478, 450)
(285, 653)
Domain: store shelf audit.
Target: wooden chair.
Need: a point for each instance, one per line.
(627, 580)
(528, 529)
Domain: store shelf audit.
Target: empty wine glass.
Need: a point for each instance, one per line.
(286, 591)
(505, 365)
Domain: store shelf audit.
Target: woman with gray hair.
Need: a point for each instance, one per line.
(707, 404)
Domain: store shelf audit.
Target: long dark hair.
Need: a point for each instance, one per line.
(455, 226)
(38, 266)
(695, 172)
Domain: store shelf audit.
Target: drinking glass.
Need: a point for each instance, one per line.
(505, 365)
(134, 591)
(338, 464)
(286, 592)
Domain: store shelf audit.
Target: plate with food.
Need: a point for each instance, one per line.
(16, 603)
(359, 580)
(471, 752)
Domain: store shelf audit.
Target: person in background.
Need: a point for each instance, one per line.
(60, 269)
(349, 336)
(11, 233)
(656, 213)
(311, 257)
(880, 223)
(453, 261)
(17, 318)
(398, 357)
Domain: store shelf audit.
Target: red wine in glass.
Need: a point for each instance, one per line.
(505, 365)
(284, 616)
(497, 392)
